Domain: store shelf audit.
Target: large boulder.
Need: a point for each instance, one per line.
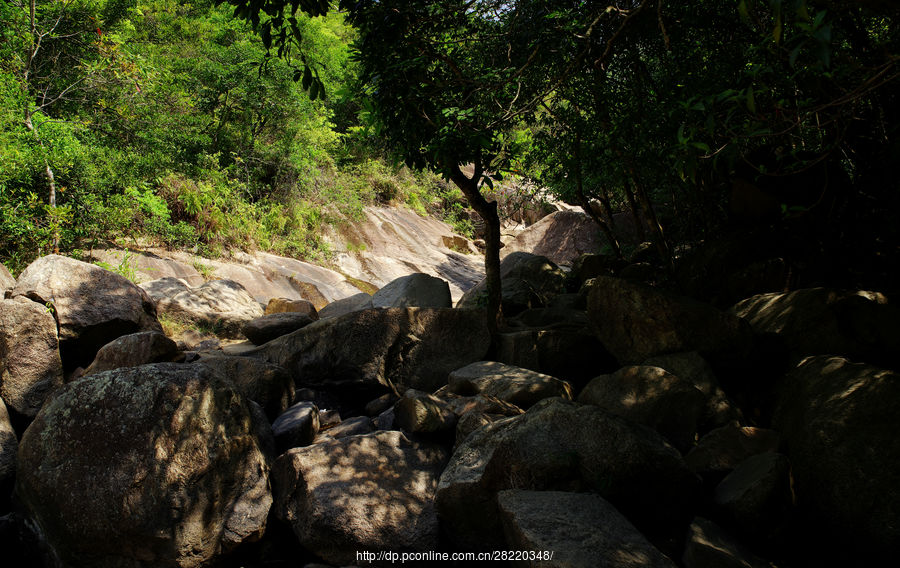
(222, 305)
(574, 530)
(359, 356)
(30, 366)
(527, 281)
(562, 237)
(514, 385)
(556, 341)
(270, 326)
(416, 290)
(266, 384)
(368, 492)
(563, 446)
(418, 412)
(651, 396)
(133, 350)
(296, 427)
(152, 466)
(838, 422)
(860, 325)
(636, 322)
(692, 367)
(92, 306)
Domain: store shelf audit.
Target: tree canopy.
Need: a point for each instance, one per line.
(652, 107)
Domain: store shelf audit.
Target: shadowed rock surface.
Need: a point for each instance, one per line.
(619, 310)
(709, 546)
(133, 350)
(362, 355)
(838, 422)
(268, 385)
(546, 449)
(582, 531)
(860, 325)
(368, 492)
(271, 326)
(651, 396)
(528, 281)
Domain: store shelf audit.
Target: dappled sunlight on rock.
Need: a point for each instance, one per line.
(372, 491)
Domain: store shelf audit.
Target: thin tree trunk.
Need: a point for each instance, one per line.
(586, 204)
(488, 212)
(662, 246)
(635, 212)
(605, 201)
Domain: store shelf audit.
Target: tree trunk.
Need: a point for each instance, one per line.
(635, 212)
(662, 246)
(605, 201)
(586, 204)
(488, 212)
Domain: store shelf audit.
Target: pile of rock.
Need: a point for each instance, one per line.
(617, 425)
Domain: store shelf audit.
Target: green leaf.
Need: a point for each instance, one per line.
(751, 102)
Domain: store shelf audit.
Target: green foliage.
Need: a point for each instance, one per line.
(183, 132)
(124, 268)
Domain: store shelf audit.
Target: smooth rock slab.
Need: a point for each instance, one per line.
(368, 492)
(355, 303)
(151, 466)
(30, 366)
(580, 530)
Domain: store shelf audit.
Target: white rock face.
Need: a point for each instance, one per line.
(395, 242)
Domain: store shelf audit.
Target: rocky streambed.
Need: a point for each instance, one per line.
(612, 422)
